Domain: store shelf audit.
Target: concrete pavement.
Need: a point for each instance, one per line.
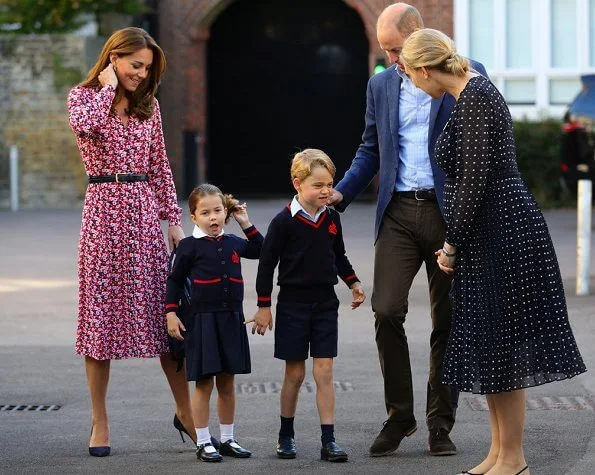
(38, 367)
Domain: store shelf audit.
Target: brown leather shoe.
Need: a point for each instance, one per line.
(440, 443)
(390, 437)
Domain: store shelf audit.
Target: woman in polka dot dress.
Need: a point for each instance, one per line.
(122, 253)
(510, 326)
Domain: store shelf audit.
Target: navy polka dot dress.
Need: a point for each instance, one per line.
(510, 326)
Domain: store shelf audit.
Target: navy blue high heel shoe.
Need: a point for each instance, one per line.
(103, 451)
(178, 425)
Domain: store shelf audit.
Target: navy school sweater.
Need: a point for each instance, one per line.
(310, 255)
(215, 270)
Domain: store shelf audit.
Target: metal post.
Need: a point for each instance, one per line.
(14, 178)
(583, 243)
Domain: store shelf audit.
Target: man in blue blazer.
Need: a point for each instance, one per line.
(402, 124)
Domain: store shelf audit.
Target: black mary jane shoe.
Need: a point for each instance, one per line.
(333, 453)
(286, 448)
(239, 452)
(202, 454)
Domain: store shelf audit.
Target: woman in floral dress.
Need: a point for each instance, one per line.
(122, 253)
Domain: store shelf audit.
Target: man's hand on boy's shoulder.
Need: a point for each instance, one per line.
(262, 319)
(335, 197)
(358, 295)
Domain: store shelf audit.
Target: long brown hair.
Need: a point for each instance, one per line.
(206, 189)
(122, 43)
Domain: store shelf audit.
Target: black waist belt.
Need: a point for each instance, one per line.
(119, 178)
(420, 195)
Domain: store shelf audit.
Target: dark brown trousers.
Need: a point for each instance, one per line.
(410, 234)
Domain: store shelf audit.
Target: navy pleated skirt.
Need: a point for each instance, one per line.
(216, 342)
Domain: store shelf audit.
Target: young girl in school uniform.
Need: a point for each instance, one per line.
(215, 339)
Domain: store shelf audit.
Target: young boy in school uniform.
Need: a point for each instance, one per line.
(306, 240)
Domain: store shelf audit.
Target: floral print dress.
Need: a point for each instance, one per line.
(122, 253)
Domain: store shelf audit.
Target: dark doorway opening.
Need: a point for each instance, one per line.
(283, 75)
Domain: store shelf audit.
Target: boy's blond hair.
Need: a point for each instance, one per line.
(303, 162)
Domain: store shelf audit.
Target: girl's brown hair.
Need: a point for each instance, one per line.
(206, 189)
(122, 43)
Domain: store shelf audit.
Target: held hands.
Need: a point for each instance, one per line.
(358, 295)
(108, 76)
(174, 235)
(335, 197)
(446, 263)
(241, 216)
(261, 320)
(174, 326)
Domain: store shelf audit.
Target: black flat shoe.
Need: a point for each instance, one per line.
(333, 453)
(239, 452)
(286, 448)
(205, 456)
(178, 425)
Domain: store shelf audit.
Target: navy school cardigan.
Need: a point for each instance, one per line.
(215, 271)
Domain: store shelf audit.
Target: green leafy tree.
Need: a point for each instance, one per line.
(58, 16)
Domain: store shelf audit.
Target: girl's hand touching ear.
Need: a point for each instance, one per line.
(240, 214)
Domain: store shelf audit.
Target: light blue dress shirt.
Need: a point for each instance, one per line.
(415, 171)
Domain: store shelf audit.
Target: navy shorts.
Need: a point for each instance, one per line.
(302, 325)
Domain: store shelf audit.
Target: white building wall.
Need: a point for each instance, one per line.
(534, 50)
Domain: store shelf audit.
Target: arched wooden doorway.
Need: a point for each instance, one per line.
(282, 75)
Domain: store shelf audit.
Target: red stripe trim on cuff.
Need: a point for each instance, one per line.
(252, 233)
(264, 299)
(171, 305)
(350, 277)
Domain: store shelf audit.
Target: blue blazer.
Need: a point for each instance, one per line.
(379, 151)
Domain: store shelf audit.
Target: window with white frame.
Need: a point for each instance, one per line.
(534, 50)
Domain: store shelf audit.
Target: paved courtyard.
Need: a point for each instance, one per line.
(38, 306)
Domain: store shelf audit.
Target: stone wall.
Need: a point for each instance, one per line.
(36, 73)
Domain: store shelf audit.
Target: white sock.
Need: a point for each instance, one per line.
(203, 436)
(226, 431)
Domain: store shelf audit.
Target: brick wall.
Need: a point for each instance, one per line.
(36, 73)
(184, 34)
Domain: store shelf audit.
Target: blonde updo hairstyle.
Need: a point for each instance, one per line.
(303, 162)
(206, 189)
(432, 49)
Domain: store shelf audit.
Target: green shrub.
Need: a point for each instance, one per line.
(538, 156)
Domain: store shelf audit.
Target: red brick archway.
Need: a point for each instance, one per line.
(184, 33)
